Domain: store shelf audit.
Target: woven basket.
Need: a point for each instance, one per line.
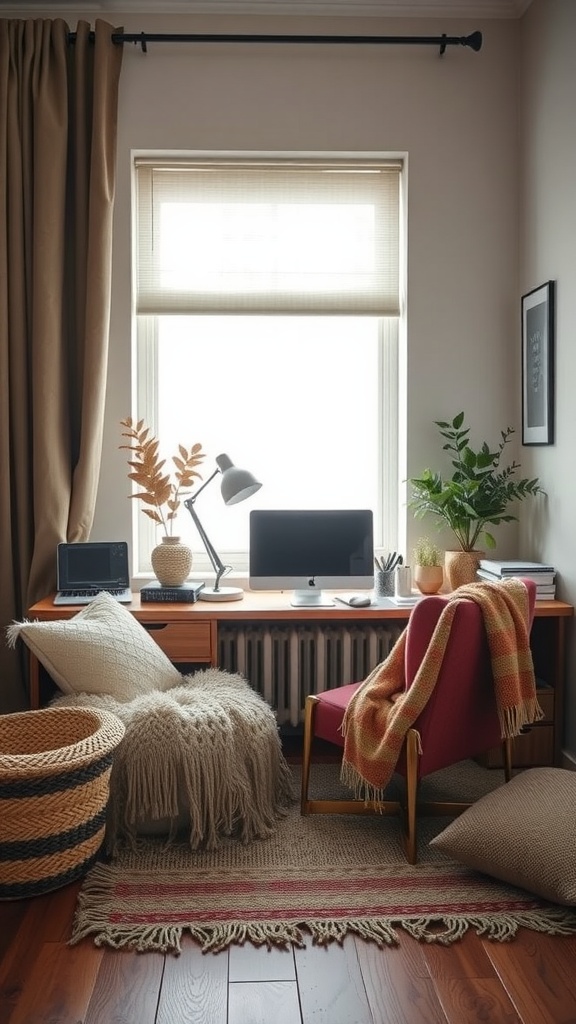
(54, 782)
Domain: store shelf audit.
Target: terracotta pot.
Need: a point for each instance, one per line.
(460, 567)
(428, 578)
(171, 562)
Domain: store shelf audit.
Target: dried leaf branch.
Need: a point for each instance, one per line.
(158, 491)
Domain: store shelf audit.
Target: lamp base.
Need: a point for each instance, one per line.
(222, 594)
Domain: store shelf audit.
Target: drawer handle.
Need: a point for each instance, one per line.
(152, 626)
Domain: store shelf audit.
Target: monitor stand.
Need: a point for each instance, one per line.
(310, 599)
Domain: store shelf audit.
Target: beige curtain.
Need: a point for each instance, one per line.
(58, 112)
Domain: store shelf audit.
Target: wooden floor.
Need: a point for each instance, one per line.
(44, 981)
(531, 980)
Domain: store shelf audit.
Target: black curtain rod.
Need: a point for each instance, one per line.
(473, 41)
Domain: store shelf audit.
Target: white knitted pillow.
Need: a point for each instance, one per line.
(102, 649)
(523, 833)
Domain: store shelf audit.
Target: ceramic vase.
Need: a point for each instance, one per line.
(171, 562)
(460, 567)
(428, 578)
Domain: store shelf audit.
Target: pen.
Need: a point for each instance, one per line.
(389, 563)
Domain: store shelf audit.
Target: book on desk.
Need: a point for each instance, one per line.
(542, 574)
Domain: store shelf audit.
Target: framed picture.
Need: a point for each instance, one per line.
(538, 365)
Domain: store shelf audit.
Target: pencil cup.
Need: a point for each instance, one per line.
(384, 583)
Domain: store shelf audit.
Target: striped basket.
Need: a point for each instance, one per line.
(54, 782)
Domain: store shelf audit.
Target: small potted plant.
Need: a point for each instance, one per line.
(428, 571)
(161, 496)
(480, 493)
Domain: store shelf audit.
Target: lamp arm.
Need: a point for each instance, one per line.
(192, 499)
(219, 568)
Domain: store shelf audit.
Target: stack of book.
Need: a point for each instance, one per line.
(543, 575)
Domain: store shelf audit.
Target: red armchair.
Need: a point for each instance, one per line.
(459, 721)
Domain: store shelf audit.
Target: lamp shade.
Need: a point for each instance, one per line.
(237, 484)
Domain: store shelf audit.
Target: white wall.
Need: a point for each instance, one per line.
(455, 116)
(548, 240)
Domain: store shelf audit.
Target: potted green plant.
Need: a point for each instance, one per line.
(479, 493)
(428, 571)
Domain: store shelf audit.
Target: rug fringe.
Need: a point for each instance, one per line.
(443, 930)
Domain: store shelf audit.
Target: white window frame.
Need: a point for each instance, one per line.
(390, 528)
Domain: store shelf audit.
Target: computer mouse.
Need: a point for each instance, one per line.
(359, 601)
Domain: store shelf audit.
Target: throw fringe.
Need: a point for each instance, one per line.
(204, 756)
(513, 720)
(361, 788)
(13, 632)
(441, 929)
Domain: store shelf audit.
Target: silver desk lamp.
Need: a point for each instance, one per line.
(237, 484)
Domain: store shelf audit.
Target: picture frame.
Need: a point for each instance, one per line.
(538, 365)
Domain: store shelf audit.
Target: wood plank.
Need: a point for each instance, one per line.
(539, 976)
(475, 1001)
(12, 914)
(59, 912)
(45, 919)
(468, 959)
(330, 984)
(257, 963)
(126, 989)
(59, 986)
(398, 984)
(194, 987)
(263, 1002)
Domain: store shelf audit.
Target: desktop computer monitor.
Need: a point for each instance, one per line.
(308, 550)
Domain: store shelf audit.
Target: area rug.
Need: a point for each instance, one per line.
(323, 876)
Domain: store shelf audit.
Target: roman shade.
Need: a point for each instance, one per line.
(268, 237)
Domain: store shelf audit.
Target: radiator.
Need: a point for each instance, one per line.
(286, 663)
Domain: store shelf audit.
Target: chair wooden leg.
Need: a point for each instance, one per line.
(309, 712)
(411, 795)
(507, 755)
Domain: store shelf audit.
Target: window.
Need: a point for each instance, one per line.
(267, 306)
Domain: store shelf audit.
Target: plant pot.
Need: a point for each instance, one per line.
(428, 578)
(171, 562)
(460, 567)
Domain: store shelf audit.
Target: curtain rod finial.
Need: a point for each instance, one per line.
(474, 41)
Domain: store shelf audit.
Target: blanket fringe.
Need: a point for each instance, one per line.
(441, 929)
(13, 632)
(204, 756)
(513, 720)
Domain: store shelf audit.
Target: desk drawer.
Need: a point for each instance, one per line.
(534, 747)
(183, 641)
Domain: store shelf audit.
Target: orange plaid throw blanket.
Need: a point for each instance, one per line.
(382, 709)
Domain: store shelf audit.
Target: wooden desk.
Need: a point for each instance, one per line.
(188, 634)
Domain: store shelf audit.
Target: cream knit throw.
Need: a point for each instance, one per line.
(382, 710)
(207, 753)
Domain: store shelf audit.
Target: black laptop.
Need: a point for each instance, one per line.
(87, 568)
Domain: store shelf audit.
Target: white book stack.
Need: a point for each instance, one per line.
(543, 575)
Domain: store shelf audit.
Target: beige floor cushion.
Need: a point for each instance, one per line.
(523, 833)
